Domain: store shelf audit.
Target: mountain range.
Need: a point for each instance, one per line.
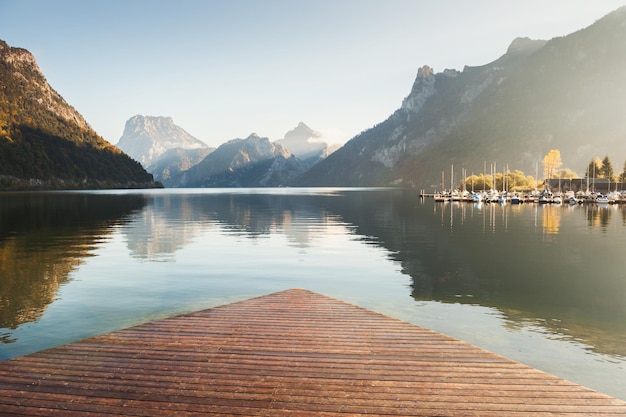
(566, 94)
(177, 159)
(45, 143)
(250, 162)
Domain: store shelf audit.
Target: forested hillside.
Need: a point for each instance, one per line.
(46, 143)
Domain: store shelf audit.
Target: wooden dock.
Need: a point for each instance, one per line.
(292, 353)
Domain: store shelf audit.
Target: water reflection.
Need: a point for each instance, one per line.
(551, 219)
(166, 225)
(43, 238)
(599, 215)
(547, 267)
(171, 221)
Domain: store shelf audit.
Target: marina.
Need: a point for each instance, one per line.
(544, 197)
(503, 188)
(294, 352)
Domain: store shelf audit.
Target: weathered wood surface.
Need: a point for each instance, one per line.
(292, 353)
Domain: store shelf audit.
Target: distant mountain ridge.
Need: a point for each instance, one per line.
(250, 162)
(171, 155)
(566, 94)
(45, 143)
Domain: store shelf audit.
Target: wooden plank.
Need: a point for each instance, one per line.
(289, 353)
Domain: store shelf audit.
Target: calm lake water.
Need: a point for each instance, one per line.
(543, 285)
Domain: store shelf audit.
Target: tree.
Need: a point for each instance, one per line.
(566, 174)
(518, 181)
(515, 180)
(478, 182)
(594, 168)
(551, 162)
(607, 168)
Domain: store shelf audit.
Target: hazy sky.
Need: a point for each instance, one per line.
(226, 68)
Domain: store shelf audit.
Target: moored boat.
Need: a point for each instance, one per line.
(545, 197)
(574, 201)
(602, 199)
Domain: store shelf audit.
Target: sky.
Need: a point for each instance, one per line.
(223, 69)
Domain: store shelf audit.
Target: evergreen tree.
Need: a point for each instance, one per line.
(607, 168)
(594, 169)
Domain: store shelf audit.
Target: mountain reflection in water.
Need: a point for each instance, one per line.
(554, 271)
(43, 237)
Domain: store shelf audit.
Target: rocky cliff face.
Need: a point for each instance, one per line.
(45, 142)
(162, 147)
(170, 164)
(147, 138)
(566, 94)
(21, 66)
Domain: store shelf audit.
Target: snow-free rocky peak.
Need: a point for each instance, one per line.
(146, 138)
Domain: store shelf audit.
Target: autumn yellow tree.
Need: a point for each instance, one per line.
(551, 162)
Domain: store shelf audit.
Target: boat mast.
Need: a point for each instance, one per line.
(451, 178)
(443, 184)
(593, 179)
(536, 174)
(463, 179)
(495, 169)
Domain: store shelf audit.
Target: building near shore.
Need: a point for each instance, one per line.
(601, 185)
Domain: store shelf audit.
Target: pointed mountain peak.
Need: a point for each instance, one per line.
(304, 142)
(425, 71)
(302, 132)
(423, 88)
